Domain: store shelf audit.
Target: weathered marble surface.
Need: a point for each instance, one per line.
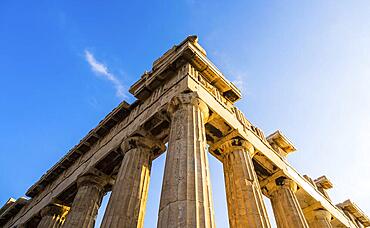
(186, 199)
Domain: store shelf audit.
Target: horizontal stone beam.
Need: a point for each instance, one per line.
(136, 118)
(223, 111)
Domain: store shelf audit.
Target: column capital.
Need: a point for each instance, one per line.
(93, 177)
(318, 214)
(90, 190)
(184, 99)
(243, 193)
(318, 218)
(281, 191)
(52, 215)
(231, 143)
(143, 142)
(126, 206)
(236, 144)
(52, 209)
(277, 182)
(186, 198)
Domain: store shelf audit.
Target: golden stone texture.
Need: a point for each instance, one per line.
(185, 101)
(87, 201)
(186, 199)
(319, 219)
(52, 216)
(126, 206)
(244, 197)
(287, 211)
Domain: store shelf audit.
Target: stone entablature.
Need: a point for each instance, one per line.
(355, 213)
(189, 50)
(123, 110)
(122, 115)
(323, 184)
(183, 95)
(11, 208)
(80, 149)
(115, 117)
(280, 143)
(227, 104)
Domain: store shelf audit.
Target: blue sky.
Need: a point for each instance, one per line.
(304, 68)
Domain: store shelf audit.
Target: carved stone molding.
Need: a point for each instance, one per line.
(319, 218)
(143, 142)
(186, 198)
(52, 216)
(93, 177)
(184, 99)
(173, 104)
(236, 144)
(287, 210)
(51, 210)
(286, 183)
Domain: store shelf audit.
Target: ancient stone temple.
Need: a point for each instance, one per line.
(184, 101)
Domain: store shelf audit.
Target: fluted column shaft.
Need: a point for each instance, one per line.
(244, 197)
(126, 206)
(186, 199)
(87, 201)
(287, 210)
(51, 216)
(319, 219)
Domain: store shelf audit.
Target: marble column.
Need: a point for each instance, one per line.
(287, 210)
(319, 219)
(244, 197)
(51, 216)
(186, 199)
(126, 206)
(85, 206)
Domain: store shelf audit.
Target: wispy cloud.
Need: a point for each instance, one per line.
(102, 70)
(237, 75)
(240, 82)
